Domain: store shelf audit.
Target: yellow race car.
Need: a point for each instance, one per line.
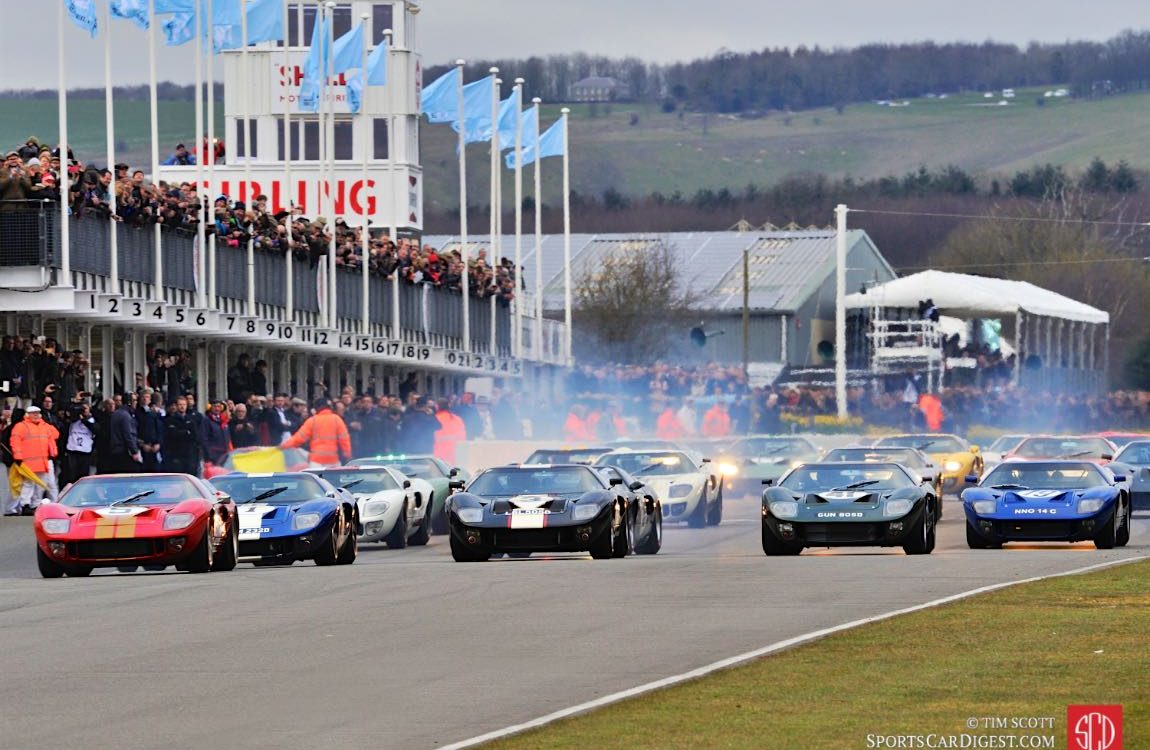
(955, 456)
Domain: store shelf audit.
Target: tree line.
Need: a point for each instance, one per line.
(804, 77)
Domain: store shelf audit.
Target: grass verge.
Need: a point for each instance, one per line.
(1026, 651)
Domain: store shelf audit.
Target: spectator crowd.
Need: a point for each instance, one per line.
(33, 172)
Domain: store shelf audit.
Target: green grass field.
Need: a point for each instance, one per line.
(1026, 651)
(669, 152)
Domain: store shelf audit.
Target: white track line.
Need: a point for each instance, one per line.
(764, 651)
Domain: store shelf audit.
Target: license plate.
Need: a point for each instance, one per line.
(527, 518)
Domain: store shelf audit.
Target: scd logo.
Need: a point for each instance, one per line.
(1094, 727)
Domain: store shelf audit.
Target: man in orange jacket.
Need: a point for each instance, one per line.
(34, 445)
(576, 428)
(716, 422)
(668, 426)
(326, 435)
(452, 431)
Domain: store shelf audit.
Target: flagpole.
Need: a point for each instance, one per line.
(463, 253)
(289, 187)
(494, 177)
(247, 191)
(365, 138)
(517, 337)
(538, 240)
(197, 149)
(566, 236)
(109, 123)
(332, 303)
(157, 234)
(211, 152)
(393, 229)
(62, 106)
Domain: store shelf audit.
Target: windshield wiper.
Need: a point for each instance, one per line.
(856, 485)
(924, 446)
(350, 484)
(132, 498)
(1009, 486)
(650, 467)
(265, 495)
(1079, 454)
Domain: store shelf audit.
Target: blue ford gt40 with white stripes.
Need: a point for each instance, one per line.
(1048, 501)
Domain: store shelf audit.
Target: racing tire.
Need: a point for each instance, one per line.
(975, 541)
(1123, 536)
(422, 534)
(698, 519)
(202, 557)
(653, 542)
(397, 539)
(439, 523)
(623, 542)
(921, 541)
(228, 553)
(1107, 536)
(602, 547)
(49, 568)
(460, 552)
(350, 549)
(328, 554)
(82, 571)
(715, 514)
(775, 547)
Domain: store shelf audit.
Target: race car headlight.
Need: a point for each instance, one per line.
(470, 515)
(1090, 506)
(305, 520)
(983, 507)
(896, 508)
(376, 508)
(175, 521)
(56, 525)
(585, 512)
(784, 509)
(728, 469)
(953, 466)
(679, 490)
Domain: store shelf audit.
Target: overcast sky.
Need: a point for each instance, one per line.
(658, 30)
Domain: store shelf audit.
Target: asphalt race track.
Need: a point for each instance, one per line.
(407, 649)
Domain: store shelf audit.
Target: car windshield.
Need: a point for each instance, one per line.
(650, 464)
(1006, 443)
(1135, 453)
(566, 456)
(104, 490)
(366, 480)
(927, 443)
(904, 456)
(511, 481)
(822, 477)
(770, 447)
(1044, 476)
(273, 489)
(417, 468)
(1062, 447)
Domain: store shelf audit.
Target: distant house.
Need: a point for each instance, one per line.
(598, 89)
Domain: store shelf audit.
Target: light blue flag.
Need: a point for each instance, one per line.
(347, 51)
(377, 65)
(479, 129)
(226, 12)
(477, 101)
(355, 91)
(553, 141)
(131, 10)
(509, 110)
(83, 13)
(179, 29)
(440, 98)
(314, 68)
(265, 21)
(530, 135)
(175, 6)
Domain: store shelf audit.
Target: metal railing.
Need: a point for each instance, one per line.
(30, 236)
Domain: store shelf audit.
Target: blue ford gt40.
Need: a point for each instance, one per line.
(1048, 501)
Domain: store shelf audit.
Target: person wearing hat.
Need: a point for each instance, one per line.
(124, 456)
(326, 436)
(34, 446)
(15, 183)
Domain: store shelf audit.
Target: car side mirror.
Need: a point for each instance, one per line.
(455, 484)
(635, 486)
(706, 460)
(927, 478)
(1107, 456)
(453, 473)
(1119, 477)
(971, 478)
(407, 484)
(616, 481)
(974, 449)
(768, 482)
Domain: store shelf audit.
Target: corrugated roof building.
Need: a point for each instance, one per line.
(792, 293)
